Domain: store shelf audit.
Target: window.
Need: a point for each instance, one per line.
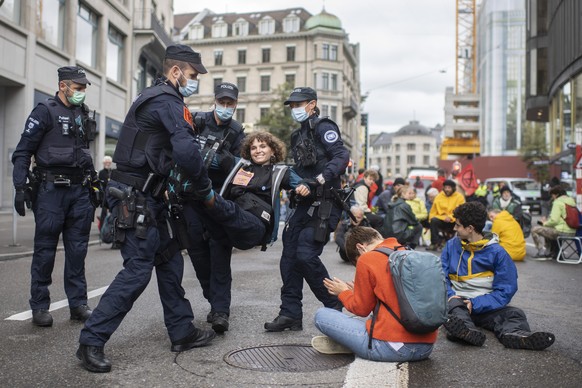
(290, 53)
(333, 113)
(240, 28)
(389, 160)
(333, 52)
(266, 55)
(115, 55)
(315, 80)
(217, 81)
(219, 29)
(315, 51)
(291, 23)
(325, 81)
(242, 57)
(87, 36)
(240, 115)
(334, 82)
(264, 112)
(267, 26)
(397, 147)
(10, 9)
(265, 83)
(218, 57)
(426, 147)
(410, 146)
(411, 159)
(397, 169)
(50, 21)
(325, 110)
(325, 48)
(426, 160)
(290, 80)
(196, 31)
(397, 159)
(241, 83)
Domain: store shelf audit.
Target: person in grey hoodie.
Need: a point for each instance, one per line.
(400, 222)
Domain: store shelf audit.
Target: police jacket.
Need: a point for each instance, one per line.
(57, 137)
(481, 271)
(317, 148)
(158, 132)
(226, 136)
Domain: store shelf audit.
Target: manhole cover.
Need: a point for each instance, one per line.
(286, 358)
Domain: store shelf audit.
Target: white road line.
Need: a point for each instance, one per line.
(54, 306)
(364, 373)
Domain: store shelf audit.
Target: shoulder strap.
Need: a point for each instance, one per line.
(232, 173)
(279, 171)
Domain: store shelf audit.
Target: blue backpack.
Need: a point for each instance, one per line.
(420, 289)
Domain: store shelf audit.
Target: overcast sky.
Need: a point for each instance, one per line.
(404, 48)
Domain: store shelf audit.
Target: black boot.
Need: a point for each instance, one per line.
(80, 313)
(93, 358)
(458, 330)
(42, 318)
(527, 340)
(196, 339)
(282, 322)
(219, 322)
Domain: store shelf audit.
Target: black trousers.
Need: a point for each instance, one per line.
(438, 225)
(504, 320)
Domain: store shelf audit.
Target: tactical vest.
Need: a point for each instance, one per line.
(65, 143)
(308, 150)
(140, 150)
(211, 136)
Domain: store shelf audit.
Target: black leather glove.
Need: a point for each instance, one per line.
(201, 192)
(21, 198)
(226, 161)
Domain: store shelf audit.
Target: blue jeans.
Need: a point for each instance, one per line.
(351, 333)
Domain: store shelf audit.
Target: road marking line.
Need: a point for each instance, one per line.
(365, 373)
(55, 306)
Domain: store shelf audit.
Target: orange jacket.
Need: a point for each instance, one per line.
(372, 281)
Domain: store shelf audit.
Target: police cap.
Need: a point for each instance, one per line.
(180, 52)
(301, 94)
(73, 73)
(226, 89)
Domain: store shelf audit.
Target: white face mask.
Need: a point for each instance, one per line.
(299, 114)
(190, 88)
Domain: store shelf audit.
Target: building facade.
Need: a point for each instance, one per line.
(120, 44)
(260, 51)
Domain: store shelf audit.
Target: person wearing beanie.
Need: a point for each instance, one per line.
(441, 217)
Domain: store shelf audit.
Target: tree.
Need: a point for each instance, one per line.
(534, 151)
(277, 120)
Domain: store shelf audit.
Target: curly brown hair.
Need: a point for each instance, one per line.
(278, 147)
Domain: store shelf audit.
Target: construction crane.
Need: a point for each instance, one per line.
(466, 64)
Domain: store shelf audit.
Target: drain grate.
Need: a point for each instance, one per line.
(286, 358)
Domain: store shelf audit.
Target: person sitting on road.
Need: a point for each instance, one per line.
(507, 201)
(481, 279)
(400, 222)
(391, 342)
(509, 231)
(361, 196)
(417, 205)
(386, 197)
(429, 200)
(546, 235)
(346, 225)
(441, 217)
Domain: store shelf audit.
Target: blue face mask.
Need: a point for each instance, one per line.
(299, 114)
(190, 88)
(224, 113)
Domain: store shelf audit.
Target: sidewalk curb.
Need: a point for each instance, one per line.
(19, 255)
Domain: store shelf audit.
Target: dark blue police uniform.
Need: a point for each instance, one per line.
(58, 137)
(301, 249)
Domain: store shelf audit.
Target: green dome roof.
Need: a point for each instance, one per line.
(323, 19)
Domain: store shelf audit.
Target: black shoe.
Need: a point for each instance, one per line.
(220, 322)
(81, 313)
(196, 339)
(210, 316)
(456, 328)
(527, 340)
(42, 318)
(282, 322)
(93, 358)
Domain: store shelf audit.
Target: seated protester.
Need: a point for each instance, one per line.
(417, 205)
(546, 235)
(240, 214)
(391, 342)
(507, 201)
(509, 231)
(441, 217)
(386, 196)
(431, 194)
(361, 196)
(481, 280)
(346, 225)
(400, 221)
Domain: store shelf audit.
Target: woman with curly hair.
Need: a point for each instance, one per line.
(246, 213)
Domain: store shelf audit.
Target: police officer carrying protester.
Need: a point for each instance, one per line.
(220, 138)
(320, 158)
(156, 133)
(59, 190)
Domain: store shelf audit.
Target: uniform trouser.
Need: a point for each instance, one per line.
(57, 210)
(438, 225)
(138, 263)
(504, 320)
(300, 260)
(543, 236)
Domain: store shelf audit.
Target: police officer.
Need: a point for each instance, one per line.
(320, 158)
(220, 138)
(57, 133)
(157, 132)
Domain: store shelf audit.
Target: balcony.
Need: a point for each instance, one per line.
(350, 109)
(145, 22)
(457, 146)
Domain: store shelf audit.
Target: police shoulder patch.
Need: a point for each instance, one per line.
(331, 136)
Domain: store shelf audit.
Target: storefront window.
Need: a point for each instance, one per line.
(10, 9)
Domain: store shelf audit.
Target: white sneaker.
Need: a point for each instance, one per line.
(326, 345)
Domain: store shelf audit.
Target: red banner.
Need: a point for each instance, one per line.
(468, 180)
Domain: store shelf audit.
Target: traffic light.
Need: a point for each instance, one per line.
(364, 119)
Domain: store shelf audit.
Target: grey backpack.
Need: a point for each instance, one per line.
(420, 288)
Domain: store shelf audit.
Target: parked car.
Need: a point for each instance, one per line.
(526, 189)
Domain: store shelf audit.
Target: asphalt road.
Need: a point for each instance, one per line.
(31, 356)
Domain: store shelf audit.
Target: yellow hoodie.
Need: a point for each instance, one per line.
(510, 235)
